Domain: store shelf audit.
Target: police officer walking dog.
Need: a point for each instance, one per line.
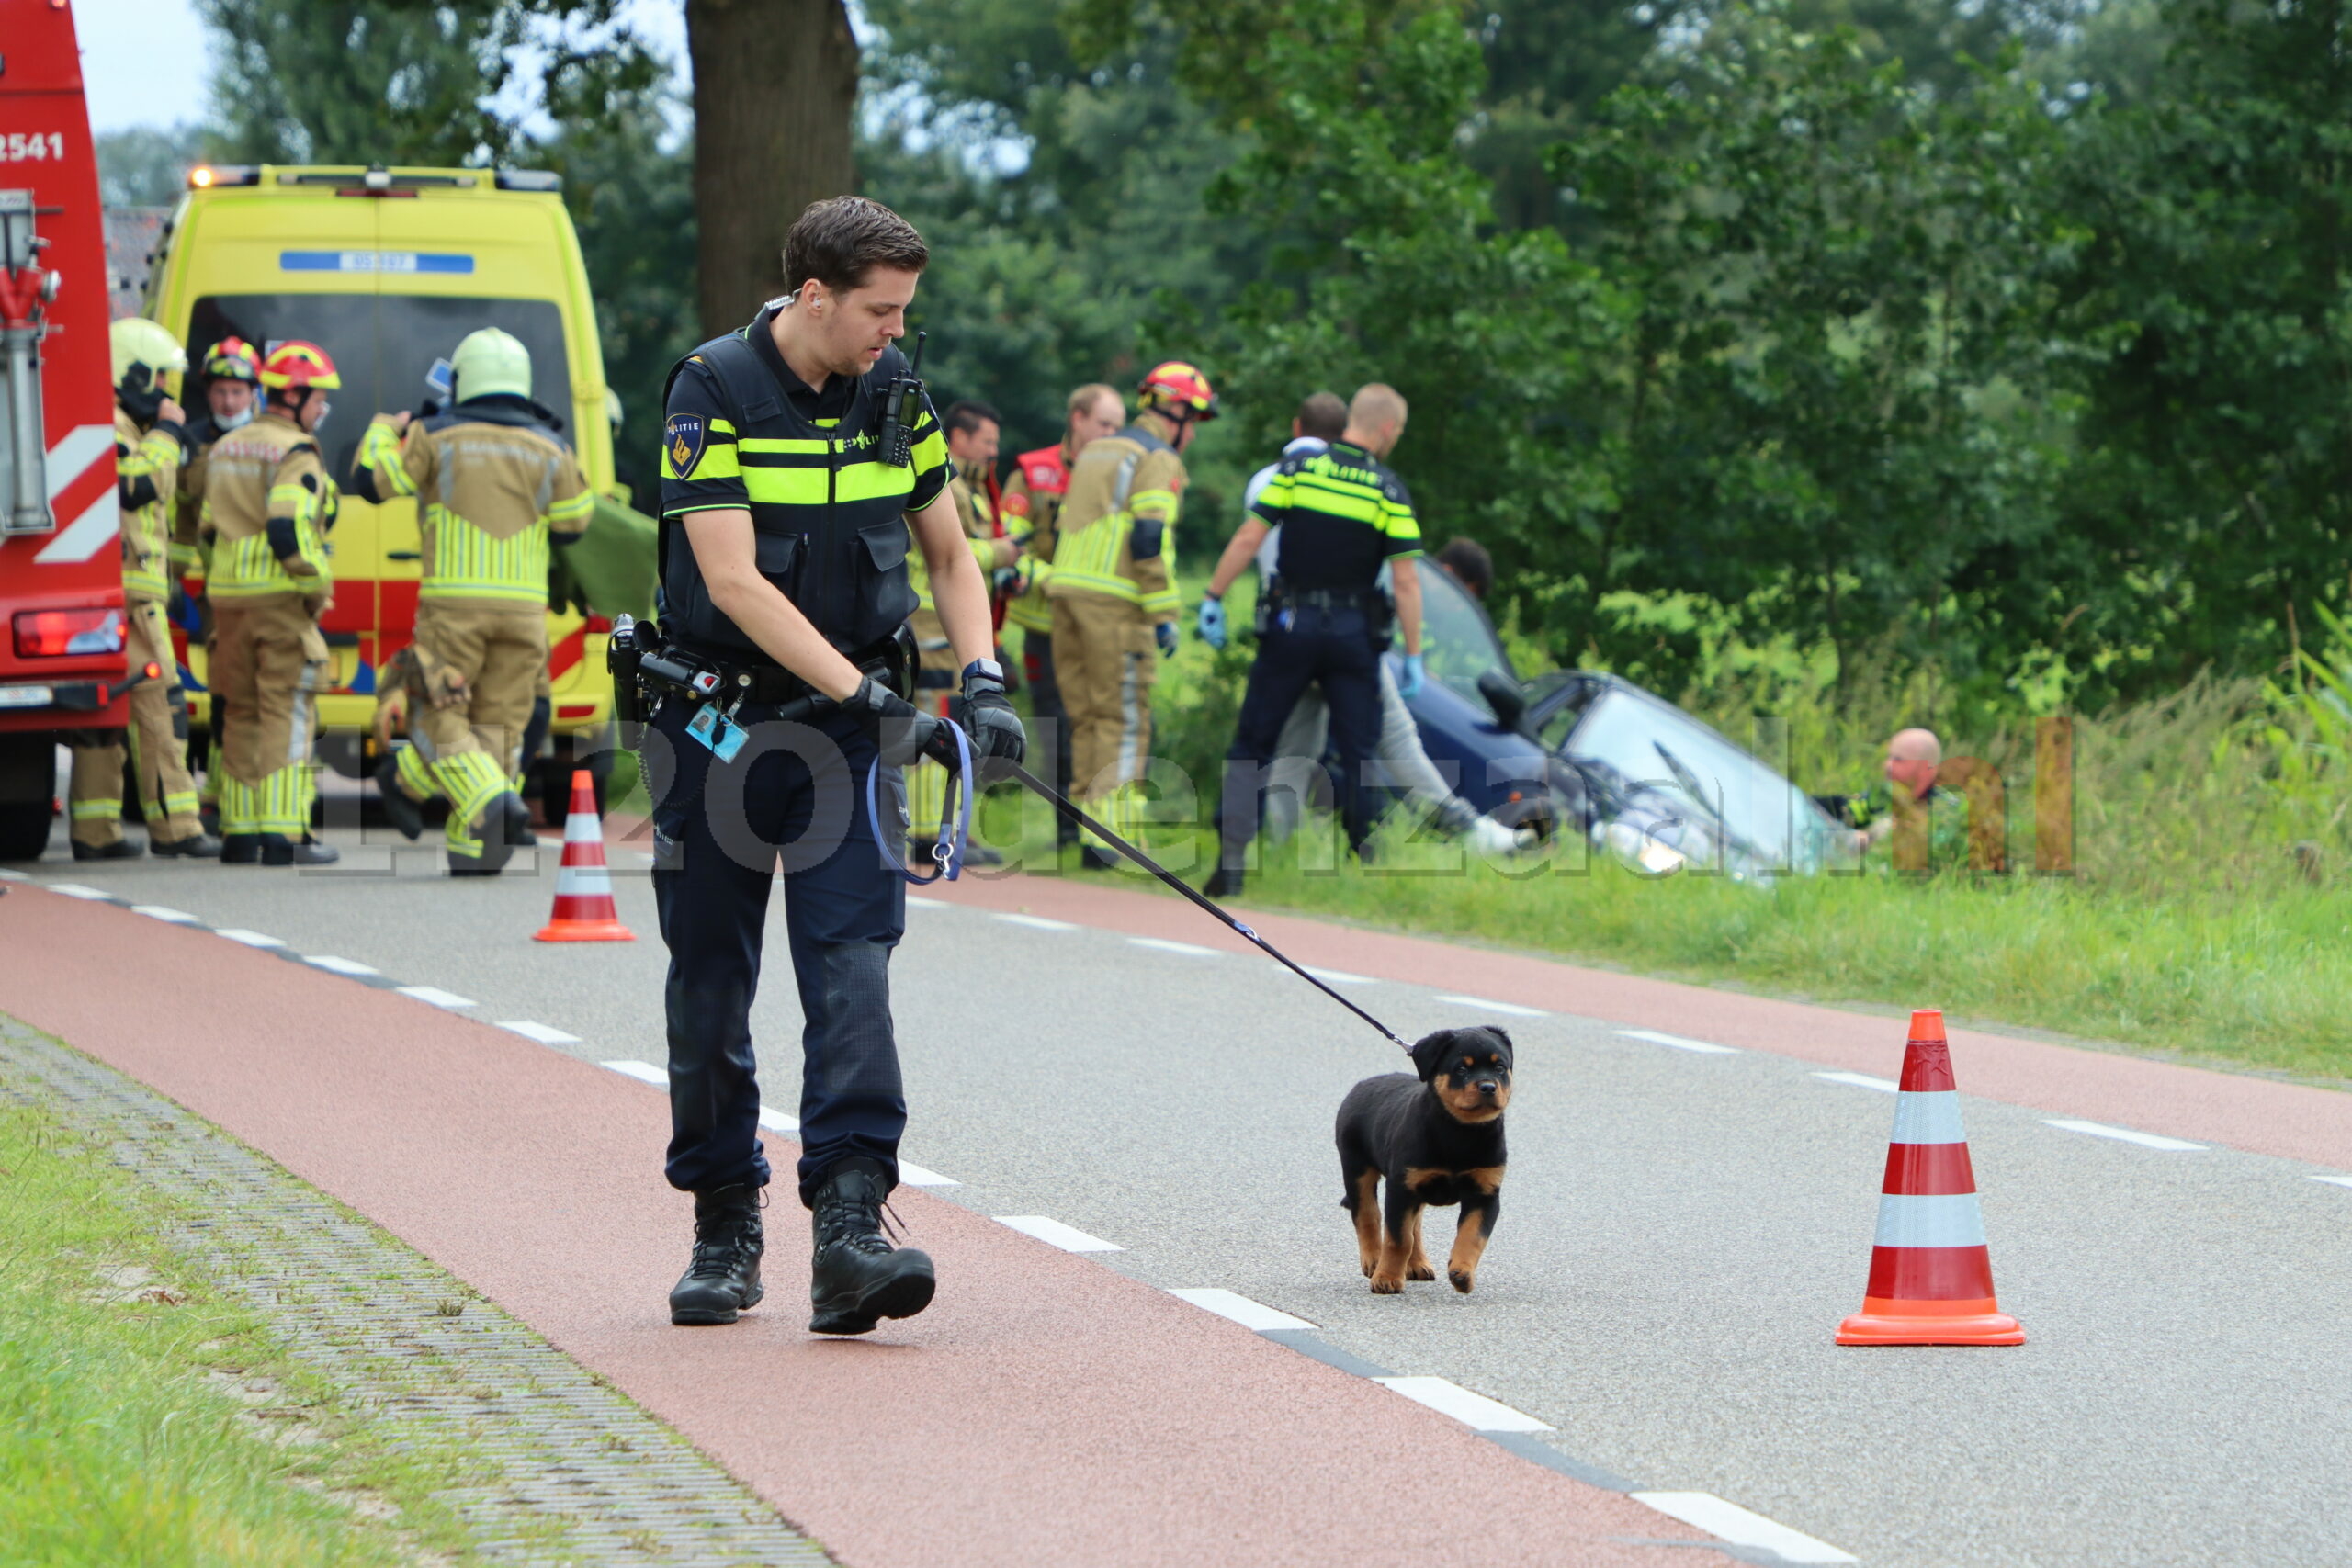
(788, 490)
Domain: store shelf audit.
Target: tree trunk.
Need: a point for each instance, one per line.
(775, 83)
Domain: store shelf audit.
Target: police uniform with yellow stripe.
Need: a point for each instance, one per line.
(742, 432)
(268, 503)
(1112, 584)
(495, 487)
(1343, 515)
(146, 479)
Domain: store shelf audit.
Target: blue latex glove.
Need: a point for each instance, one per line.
(1409, 683)
(1212, 622)
(1165, 634)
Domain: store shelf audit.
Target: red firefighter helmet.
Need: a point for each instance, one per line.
(1179, 391)
(294, 365)
(232, 359)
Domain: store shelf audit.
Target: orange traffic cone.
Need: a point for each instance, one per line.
(584, 889)
(1931, 1277)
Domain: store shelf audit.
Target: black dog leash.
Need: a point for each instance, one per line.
(1075, 814)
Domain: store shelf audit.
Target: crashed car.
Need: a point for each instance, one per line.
(1594, 755)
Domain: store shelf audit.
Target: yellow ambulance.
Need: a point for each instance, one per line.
(386, 269)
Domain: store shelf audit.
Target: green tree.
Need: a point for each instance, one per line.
(2210, 495)
(1841, 409)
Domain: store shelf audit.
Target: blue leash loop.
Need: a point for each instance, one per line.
(947, 850)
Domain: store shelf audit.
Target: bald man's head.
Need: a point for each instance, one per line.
(1912, 758)
(1376, 418)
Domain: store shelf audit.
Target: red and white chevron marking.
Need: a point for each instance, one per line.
(81, 494)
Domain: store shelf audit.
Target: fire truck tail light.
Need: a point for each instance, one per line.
(60, 633)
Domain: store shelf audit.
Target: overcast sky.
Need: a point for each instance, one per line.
(143, 61)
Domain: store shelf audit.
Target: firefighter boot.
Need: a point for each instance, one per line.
(724, 1277)
(505, 823)
(199, 845)
(121, 849)
(278, 849)
(405, 811)
(857, 1278)
(241, 849)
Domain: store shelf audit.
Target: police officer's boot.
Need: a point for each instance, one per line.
(857, 1278)
(724, 1277)
(1222, 884)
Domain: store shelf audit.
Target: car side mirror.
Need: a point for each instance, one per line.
(1503, 694)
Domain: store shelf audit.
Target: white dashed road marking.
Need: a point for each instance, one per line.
(914, 1174)
(251, 939)
(2122, 1135)
(774, 1120)
(1338, 976)
(75, 890)
(341, 965)
(1512, 1008)
(1052, 1232)
(437, 996)
(1475, 1411)
(1729, 1521)
(915, 903)
(644, 1072)
(543, 1034)
(1162, 944)
(1037, 922)
(161, 912)
(2335, 1180)
(1857, 1081)
(1254, 1316)
(1678, 1043)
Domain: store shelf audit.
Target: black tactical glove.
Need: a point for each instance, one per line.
(904, 732)
(989, 720)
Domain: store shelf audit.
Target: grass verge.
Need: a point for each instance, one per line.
(144, 1418)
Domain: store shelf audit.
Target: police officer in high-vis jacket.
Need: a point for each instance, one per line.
(785, 527)
(495, 484)
(1343, 514)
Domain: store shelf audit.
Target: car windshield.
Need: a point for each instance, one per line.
(1457, 643)
(1652, 746)
(382, 345)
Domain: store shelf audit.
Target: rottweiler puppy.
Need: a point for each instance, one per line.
(1438, 1141)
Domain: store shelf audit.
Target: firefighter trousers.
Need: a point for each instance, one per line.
(1104, 665)
(469, 749)
(158, 741)
(269, 662)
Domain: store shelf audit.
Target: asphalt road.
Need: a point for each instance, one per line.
(1680, 1230)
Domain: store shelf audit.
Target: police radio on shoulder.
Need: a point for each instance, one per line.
(897, 430)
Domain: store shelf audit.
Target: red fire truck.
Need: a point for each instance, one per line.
(61, 663)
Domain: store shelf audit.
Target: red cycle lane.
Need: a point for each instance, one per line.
(1047, 1410)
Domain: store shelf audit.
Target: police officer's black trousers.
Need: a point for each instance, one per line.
(1325, 648)
(797, 792)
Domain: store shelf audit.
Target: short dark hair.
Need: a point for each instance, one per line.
(1470, 565)
(962, 418)
(840, 242)
(1323, 416)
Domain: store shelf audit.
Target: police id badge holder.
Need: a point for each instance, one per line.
(718, 732)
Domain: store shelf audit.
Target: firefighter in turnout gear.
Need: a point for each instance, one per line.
(269, 504)
(147, 437)
(1114, 592)
(1033, 504)
(798, 454)
(972, 431)
(231, 370)
(495, 484)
